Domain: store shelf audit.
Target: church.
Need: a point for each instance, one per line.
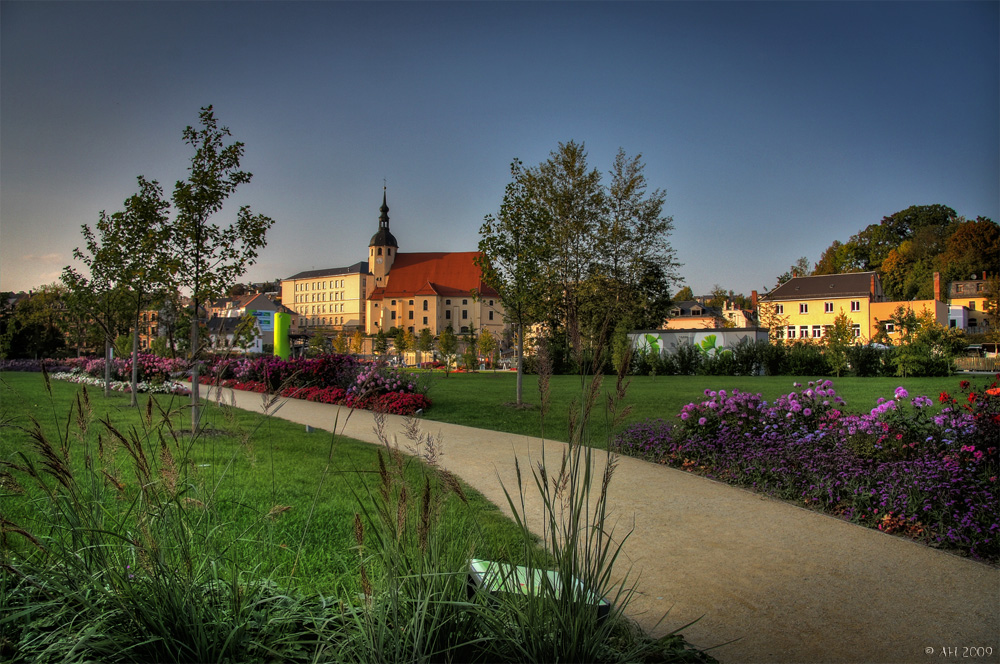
(395, 289)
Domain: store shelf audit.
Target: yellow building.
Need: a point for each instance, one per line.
(803, 307)
(328, 300)
(968, 304)
(882, 312)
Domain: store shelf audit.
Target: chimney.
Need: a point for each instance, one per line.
(753, 300)
(872, 287)
(937, 286)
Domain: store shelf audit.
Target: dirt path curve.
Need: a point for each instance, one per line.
(789, 585)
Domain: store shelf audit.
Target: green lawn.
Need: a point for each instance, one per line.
(246, 466)
(484, 399)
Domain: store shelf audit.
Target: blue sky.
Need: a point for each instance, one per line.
(774, 128)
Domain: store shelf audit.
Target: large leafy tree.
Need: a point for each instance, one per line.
(34, 327)
(514, 251)
(634, 264)
(570, 194)
(208, 258)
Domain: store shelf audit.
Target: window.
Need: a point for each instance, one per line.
(979, 288)
(958, 288)
(791, 331)
(411, 303)
(410, 315)
(447, 301)
(972, 305)
(855, 305)
(828, 307)
(425, 320)
(447, 314)
(817, 331)
(465, 314)
(491, 315)
(804, 331)
(779, 308)
(392, 316)
(491, 303)
(972, 322)
(393, 303)
(890, 328)
(803, 308)
(856, 329)
(425, 305)
(780, 333)
(465, 301)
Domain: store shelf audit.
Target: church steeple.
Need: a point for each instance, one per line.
(383, 246)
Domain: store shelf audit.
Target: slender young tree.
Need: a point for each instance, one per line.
(514, 249)
(207, 258)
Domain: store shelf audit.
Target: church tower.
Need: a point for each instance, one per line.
(382, 249)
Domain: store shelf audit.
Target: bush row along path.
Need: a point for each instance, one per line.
(787, 584)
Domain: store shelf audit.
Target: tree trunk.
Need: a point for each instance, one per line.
(195, 414)
(107, 366)
(520, 361)
(135, 366)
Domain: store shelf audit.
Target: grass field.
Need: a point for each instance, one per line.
(484, 399)
(248, 466)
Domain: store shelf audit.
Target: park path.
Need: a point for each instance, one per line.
(774, 582)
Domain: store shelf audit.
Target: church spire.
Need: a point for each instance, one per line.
(383, 220)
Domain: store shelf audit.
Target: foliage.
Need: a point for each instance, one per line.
(897, 468)
(513, 253)
(837, 338)
(381, 344)
(447, 344)
(33, 329)
(207, 258)
(907, 247)
(488, 346)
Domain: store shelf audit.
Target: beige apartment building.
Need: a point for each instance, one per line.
(331, 300)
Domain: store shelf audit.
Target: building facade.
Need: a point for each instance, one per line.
(803, 307)
(427, 290)
(330, 300)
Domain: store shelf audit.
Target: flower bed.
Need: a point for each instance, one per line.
(394, 403)
(162, 387)
(900, 468)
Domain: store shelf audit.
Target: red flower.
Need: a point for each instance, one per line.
(944, 397)
(964, 384)
(972, 397)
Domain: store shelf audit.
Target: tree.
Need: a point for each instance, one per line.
(425, 342)
(488, 345)
(513, 253)
(471, 355)
(572, 198)
(799, 268)
(974, 248)
(207, 258)
(381, 343)
(403, 341)
(684, 295)
(447, 344)
(341, 343)
(34, 327)
(357, 342)
(317, 345)
(838, 339)
(992, 305)
(634, 265)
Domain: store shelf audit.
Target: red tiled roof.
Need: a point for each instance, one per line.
(434, 274)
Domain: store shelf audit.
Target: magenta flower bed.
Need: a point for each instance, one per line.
(394, 403)
(900, 468)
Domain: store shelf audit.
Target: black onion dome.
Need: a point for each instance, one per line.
(383, 238)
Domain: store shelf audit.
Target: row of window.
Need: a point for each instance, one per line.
(320, 297)
(814, 332)
(827, 307)
(321, 285)
(321, 309)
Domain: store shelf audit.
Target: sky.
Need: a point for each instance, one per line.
(774, 128)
